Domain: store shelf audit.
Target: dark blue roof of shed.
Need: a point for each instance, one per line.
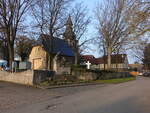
(58, 45)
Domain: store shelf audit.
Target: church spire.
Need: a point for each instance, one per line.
(69, 35)
(69, 21)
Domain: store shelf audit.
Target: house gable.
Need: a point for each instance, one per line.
(38, 57)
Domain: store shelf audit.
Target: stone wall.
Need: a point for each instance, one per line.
(85, 75)
(88, 76)
(64, 70)
(27, 77)
(20, 78)
(114, 75)
(42, 75)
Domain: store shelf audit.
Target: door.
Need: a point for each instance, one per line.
(37, 64)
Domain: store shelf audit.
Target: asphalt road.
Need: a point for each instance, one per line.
(130, 97)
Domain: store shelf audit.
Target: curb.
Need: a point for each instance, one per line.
(71, 85)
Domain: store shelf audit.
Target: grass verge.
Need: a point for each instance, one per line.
(59, 83)
(110, 81)
(115, 81)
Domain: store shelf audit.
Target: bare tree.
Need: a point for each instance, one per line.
(119, 23)
(3, 47)
(137, 50)
(146, 59)
(24, 46)
(11, 17)
(49, 16)
(138, 17)
(81, 21)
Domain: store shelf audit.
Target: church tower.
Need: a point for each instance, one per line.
(69, 35)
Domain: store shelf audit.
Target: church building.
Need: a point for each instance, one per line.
(61, 51)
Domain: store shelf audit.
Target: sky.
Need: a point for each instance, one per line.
(91, 30)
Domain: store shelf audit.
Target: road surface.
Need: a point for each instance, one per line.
(130, 97)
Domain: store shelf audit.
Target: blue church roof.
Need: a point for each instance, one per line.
(58, 46)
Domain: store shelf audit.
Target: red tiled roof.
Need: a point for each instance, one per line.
(90, 58)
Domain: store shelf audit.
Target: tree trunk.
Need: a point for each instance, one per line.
(11, 55)
(51, 50)
(50, 62)
(104, 62)
(76, 53)
(76, 58)
(47, 60)
(104, 58)
(109, 52)
(117, 62)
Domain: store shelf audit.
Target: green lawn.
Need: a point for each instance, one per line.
(115, 81)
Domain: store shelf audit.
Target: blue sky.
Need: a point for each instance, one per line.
(91, 31)
(90, 3)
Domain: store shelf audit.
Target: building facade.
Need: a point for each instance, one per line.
(62, 55)
(118, 61)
